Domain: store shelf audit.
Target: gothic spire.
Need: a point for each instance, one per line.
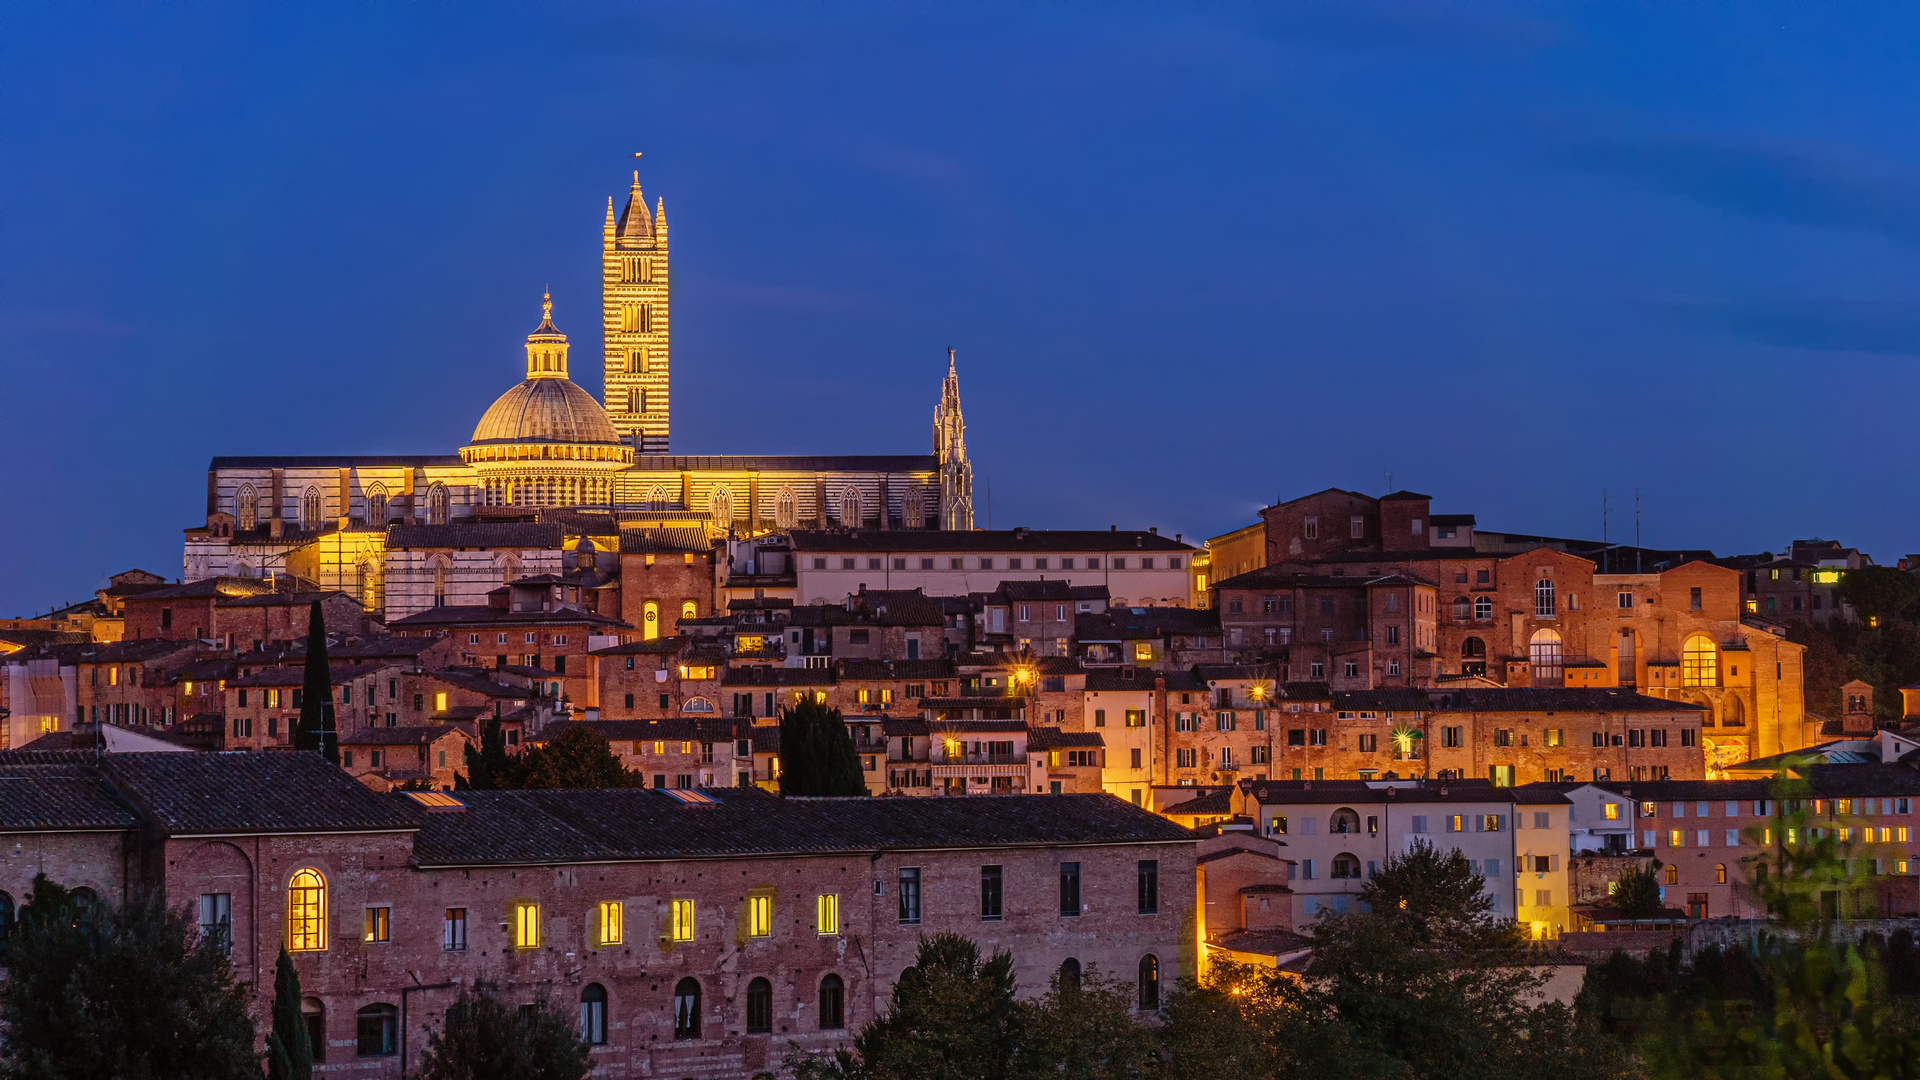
(635, 224)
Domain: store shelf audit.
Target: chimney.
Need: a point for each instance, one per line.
(1154, 529)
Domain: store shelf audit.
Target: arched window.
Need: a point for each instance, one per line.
(246, 508)
(1720, 873)
(1149, 982)
(376, 506)
(1672, 876)
(439, 565)
(913, 509)
(1344, 821)
(650, 621)
(1699, 662)
(1345, 865)
(1543, 605)
(1543, 649)
(1732, 713)
(697, 705)
(363, 580)
(1462, 608)
(314, 1015)
(1483, 608)
(1473, 649)
(593, 1015)
(6, 929)
(306, 911)
(850, 512)
(310, 510)
(1070, 973)
(786, 509)
(686, 1009)
(721, 507)
(437, 504)
(833, 1003)
(689, 609)
(378, 1028)
(244, 569)
(759, 1007)
(659, 498)
(509, 569)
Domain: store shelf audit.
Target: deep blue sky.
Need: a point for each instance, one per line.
(1193, 256)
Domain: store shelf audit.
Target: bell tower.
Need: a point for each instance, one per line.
(950, 449)
(634, 298)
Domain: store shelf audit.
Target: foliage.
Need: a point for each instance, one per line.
(1084, 1029)
(578, 758)
(289, 1049)
(133, 990)
(315, 730)
(1823, 668)
(484, 1037)
(1441, 896)
(1637, 894)
(489, 765)
(1881, 591)
(816, 753)
(953, 1017)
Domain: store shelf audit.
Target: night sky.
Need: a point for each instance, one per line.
(1194, 257)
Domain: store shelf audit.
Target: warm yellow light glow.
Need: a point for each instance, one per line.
(759, 916)
(680, 923)
(526, 926)
(827, 914)
(609, 917)
(1826, 577)
(307, 912)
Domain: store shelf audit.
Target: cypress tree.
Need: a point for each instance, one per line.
(489, 767)
(816, 753)
(316, 731)
(289, 1051)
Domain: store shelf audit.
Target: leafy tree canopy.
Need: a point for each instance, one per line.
(578, 758)
(953, 1017)
(484, 1037)
(1637, 894)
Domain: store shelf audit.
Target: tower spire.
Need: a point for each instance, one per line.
(950, 450)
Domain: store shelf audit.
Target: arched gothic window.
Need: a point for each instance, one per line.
(310, 510)
(246, 508)
(686, 1009)
(786, 509)
(759, 1007)
(509, 569)
(833, 1003)
(1543, 649)
(307, 911)
(1543, 605)
(1462, 608)
(437, 504)
(1699, 662)
(1149, 983)
(439, 565)
(376, 506)
(1473, 649)
(244, 569)
(850, 512)
(593, 1015)
(913, 509)
(659, 498)
(721, 507)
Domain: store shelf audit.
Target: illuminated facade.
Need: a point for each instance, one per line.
(548, 444)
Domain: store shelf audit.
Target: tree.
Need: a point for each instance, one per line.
(131, 990)
(484, 1038)
(490, 765)
(289, 1050)
(1880, 591)
(1637, 894)
(953, 1017)
(816, 753)
(1823, 667)
(1439, 893)
(1084, 1029)
(316, 731)
(578, 758)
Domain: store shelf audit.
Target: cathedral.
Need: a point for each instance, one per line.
(547, 452)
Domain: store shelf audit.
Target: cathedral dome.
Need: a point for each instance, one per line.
(546, 410)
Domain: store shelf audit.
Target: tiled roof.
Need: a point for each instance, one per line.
(54, 790)
(683, 728)
(249, 792)
(1687, 790)
(474, 680)
(1555, 699)
(518, 827)
(1413, 701)
(205, 587)
(278, 599)
(658, 646)
(396, 736)
(1125, 624)
(1056, 589)
(806, 463)
(322, 461)
(504, 534)
(1280, 792)
(382, 648)
(296, 676)
(763, 675)
(1010, 540)
(665, 541)
(466, 615)
(30, 638)
(1098, 679)
(1207, 802)
(881, 670)
(1052, 738)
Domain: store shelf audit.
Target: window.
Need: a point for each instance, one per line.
(686, 1009)
(1483, 607)
(1149, 886)
(216, 920)
(526, 926)
(314, 1015)
(1693, 595)
(1699, 662)
(307, 912)
(1543, 650)
(1149, 983)
(453, 930)
(379, 924)
(759, 914)
(833, 1009)
(607, 918)
(759, 1007)
(1346, 865)
(826, 914)
(378, 1029)
(680, 919)
(1356, 527)
(1311, 528)
(1070, 889)
(593, 1015)
(909, 894)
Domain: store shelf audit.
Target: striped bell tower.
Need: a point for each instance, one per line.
(633, 289)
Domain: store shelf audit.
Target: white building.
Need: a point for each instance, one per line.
(1138, 569)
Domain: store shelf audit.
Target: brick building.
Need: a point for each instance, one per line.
(696, 934)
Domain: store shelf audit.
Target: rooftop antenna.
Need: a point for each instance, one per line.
(1636, 530)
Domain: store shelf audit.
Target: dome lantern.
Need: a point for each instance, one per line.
(546, 346)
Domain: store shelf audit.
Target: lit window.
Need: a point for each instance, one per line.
(526, 926)
(827, 914)
(759, 918)
(1612, 811)
(608, 916)
(379, 924)
(681, 919)
(1699, 662)
(307, 912)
